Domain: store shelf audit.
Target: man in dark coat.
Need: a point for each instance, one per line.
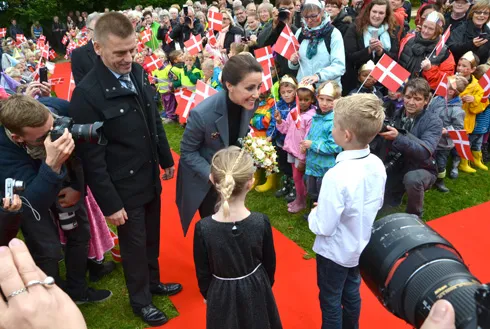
(124, 174)
(83, 59)
(187, 26)
(415, 139)
(14, 29)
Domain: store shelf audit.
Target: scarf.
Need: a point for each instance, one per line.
(383, 36)
(221, 37)
(420, 49)
(35, 152)
(315, 35)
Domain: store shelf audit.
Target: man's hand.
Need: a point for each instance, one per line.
(441, 316)
(68, 197)
(391, 134)
(169, 173)
(12, 205)
(38, 89)
(59, 151)
(118, 218)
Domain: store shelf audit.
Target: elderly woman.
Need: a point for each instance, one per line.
(265, 12)
(373, 35)
(473, 34)
(417, 53)
(229, 32)
(321, 54)
(216, 123)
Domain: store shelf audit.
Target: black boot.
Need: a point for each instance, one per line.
(292, 193)
(286, 187)
(98, 270)
(484, 151)
(439, 185)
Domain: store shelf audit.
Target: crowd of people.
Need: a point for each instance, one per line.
(347, 146)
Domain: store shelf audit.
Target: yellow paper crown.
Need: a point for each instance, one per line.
(328, 90)
(369, 66)
(287, 79)
(307, 86)
(470, 57)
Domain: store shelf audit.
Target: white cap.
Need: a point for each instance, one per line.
(314, 2)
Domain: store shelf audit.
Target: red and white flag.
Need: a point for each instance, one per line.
(145, 35)
(40, 44)
(211, 38)
(56, 81)
(215, 20)
(287, 44)
(178, 94)
(442, 42)
(45, 52)
(441, 89)
(295, 113)
(42, 38)
(3, 32)
(485, 84)
(82, 42)
(462, 143)
(71, 87)
(140, 46)
(20, 39)
(266, 80)
(185, 105)
(194, 44)
(52, 54)
(168, 39)
(252, 132)
(64, 41)
(389, 73)
(203, 91)
(152, 63)
(265, 57)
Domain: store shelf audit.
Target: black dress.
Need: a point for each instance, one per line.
(225, 252)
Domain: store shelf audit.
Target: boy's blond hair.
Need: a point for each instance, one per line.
(481, 70)
(361, 114)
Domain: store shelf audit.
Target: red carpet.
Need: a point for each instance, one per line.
(295, 289)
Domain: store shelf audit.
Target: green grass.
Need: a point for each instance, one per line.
(466, 191)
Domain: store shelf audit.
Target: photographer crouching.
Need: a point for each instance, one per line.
(53, 194)
(414, 135)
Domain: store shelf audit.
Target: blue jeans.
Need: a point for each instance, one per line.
(340, 299)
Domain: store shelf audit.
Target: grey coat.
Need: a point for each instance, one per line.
(205, 134)
(451, 114)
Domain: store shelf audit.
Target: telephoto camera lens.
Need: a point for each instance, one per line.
(409, 266)
(88, 133)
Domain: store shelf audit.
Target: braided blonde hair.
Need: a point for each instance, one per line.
(231, 169)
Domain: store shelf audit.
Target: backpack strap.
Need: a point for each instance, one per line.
(327, 38)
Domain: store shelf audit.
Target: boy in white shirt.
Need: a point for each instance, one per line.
(350, 197)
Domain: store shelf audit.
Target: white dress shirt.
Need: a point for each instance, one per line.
(351, 194)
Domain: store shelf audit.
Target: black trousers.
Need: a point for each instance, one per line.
(43, 241)
(282, 162)
(139, 241)
(208, 205)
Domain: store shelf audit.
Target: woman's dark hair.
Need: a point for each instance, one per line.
(238, 67)
(423, 8)
(418, 86)
(363, 21)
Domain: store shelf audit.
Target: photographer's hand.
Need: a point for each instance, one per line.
(441, 316)
(118, 218)
(45, 89)
(59, 151)
(68, 197)
(13, 206)
(391, 134)
(169, 173)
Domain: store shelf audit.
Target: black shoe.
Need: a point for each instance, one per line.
(291, 196)
(93, 296)
(284, 190)
(168, 289)
(152, 315)
(98, 271)
(439, 185)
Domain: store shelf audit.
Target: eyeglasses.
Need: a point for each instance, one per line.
(484, 13)
(311, 17)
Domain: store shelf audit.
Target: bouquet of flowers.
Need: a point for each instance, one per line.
(262, 152)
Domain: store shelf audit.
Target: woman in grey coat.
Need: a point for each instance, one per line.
(216, 123)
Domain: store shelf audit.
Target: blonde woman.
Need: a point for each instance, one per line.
(230, 33)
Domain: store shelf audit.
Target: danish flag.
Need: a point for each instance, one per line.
(462, 143)
(441, 89)
(203, 91)
(52, 54)
(82, 42)
(186, 103)
(152, 63)
(42, 38)
(251, 132)
(215, 20)
(485, 84)
(265, 57)
(20, 38)
(178, 94)
(442, 42)
(45, 51)
(266, 79)
(71, 87)
(286, 44)
(168, 39)
(389, 73)
(3, 32)
(56, 81)
(40, 44)
(145, 36)
(140, 46)
(64, 41)
(295, 113)
(194, 44)
(211, 38)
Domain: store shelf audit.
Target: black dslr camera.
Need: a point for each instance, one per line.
(89, 133)
(284, 14)
(408, 266)
(12, 186)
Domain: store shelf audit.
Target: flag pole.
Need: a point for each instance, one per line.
(362, 85)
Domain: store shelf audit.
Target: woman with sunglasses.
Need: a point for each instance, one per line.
(473, 34)
(315, 61)
(373, 35)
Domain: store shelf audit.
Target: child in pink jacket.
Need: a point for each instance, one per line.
(294, 136)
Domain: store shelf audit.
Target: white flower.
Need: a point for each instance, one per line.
(267, 162)
(259, 154)
(254, 145)
(261, 142)
(274, 156)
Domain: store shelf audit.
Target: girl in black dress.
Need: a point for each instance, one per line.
(234, 251)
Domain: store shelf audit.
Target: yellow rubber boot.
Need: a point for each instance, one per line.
(464, 166)
(477, 160)
(271, 183)
(256, 178)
